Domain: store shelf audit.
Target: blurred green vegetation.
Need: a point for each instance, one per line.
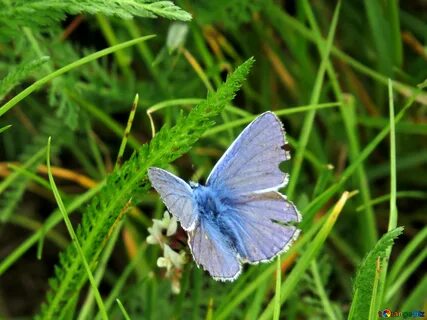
(347, 80)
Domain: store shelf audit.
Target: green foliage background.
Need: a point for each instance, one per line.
(345, 78)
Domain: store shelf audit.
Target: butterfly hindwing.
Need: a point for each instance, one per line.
(251, 163)
(177, 196)
(268, 205)
(262, 226)
(213, 253)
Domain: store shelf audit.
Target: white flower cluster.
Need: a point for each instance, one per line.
(171, 260)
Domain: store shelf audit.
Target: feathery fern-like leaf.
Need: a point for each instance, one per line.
(124, 183)
(21, 72)
(39, 13)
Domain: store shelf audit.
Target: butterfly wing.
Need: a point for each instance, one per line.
(262, 225)
(251, 163)
(213, 253)
(177, 196)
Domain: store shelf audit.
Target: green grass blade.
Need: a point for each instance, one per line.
(276, 315)
(281, 21)
(405, 274)
(74, 236)
(319, 201)
(123, 310)
(392, 223)
(121, 281)
(304, 262)
(12, 177)
(41, 82)
(322, 292)
(401, 261)
(240, 294)
(50, 223)
(399, 194)
(280, 112)
(3, 129)
(127, 131)
(88, 303)
(417, 297)
(393, 179)
(105, 119)
(315, 96)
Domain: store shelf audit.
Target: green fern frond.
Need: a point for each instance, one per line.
(40, 13)
(66, 109)
(50, 126)
(20, 73)
(364, 282)
(123, 184)
(231, 14)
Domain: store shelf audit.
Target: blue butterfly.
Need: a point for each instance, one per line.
(238, 216)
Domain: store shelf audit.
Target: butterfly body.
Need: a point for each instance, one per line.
(209, 202)
(216, 212)
(238, 216)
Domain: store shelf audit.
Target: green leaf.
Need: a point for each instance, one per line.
(364, 283)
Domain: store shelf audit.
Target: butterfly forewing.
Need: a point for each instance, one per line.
(251, 163)
(176, 194)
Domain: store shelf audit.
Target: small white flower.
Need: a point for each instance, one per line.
(168, 223)
(178, 259)
(171, 260)
(162, 262)
(155, 236)
(173, 225)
